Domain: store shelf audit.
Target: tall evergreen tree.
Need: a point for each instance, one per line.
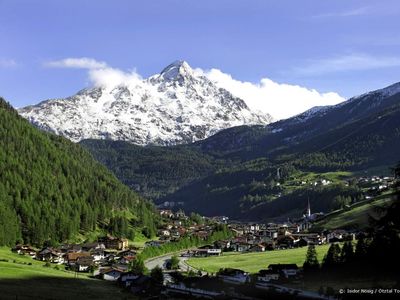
(347, 254)
(311, 262)
(332, 257)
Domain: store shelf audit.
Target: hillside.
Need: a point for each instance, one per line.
(52, 190)
(354, 217)
(153, 171)
(234, 172)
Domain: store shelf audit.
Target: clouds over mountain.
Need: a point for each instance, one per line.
(281, 100)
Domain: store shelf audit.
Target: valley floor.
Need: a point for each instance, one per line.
(253, 262)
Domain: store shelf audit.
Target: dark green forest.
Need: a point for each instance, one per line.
(52, 190)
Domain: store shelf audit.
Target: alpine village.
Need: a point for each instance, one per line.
(173, 186)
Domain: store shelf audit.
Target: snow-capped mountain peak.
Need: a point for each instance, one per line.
(179, 69)
(173, 107)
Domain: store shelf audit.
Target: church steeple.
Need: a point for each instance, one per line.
(308, 208)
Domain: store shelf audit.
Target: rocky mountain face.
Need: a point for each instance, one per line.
(177, 106)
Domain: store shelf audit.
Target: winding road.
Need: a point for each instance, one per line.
(161, 261)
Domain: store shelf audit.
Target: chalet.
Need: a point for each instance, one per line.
(111, 274)
(25, 250)
(241, 246)
(65, 248)
(287, 241)
(222, 244)
(84, 263)
(164, 232)
(93, 246)
(73, 257)
(114, 243)
(310, 238)
(126, 260)
(286, 270)
(267, 276)
(207, 250)
(98, 255)
(253, 228)
(51, 255)
(336, 236)
(121, 267)
(233, 276)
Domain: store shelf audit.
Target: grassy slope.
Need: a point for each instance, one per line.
(357, 217)
(253, 262)
(23, 281)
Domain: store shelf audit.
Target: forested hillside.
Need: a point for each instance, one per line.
(153, 171)
(234, 172)
(52, 190)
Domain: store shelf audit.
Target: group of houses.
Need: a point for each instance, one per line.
(109, 254)
(274, 273)
(260, 238)
(177, 225)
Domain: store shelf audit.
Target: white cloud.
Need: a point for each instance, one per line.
(77, 63)
(352, 62)
(99, 72)
(279, 99)
(112, 77)
(8, 63)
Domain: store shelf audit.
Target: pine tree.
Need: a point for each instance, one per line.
(347, 254)
(137, 266)
(311, 262)
(332, 257)
(157, 275)
(361, 251)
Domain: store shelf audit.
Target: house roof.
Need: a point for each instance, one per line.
(76, 255)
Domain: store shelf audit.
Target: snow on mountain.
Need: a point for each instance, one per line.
(313, 111)
(174, 107)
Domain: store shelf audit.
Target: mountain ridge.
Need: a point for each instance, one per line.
(176, 106)
(360, 134)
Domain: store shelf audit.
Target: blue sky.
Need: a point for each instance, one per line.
(342, 46)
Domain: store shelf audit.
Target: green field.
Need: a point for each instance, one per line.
(357, 217)
(253, 262)
(21, 277)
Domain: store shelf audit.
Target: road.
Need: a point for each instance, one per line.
(161, 261)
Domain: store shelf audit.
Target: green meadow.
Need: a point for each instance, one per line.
(253, 262)
(22, 277)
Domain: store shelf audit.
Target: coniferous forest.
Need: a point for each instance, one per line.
(52, 190)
